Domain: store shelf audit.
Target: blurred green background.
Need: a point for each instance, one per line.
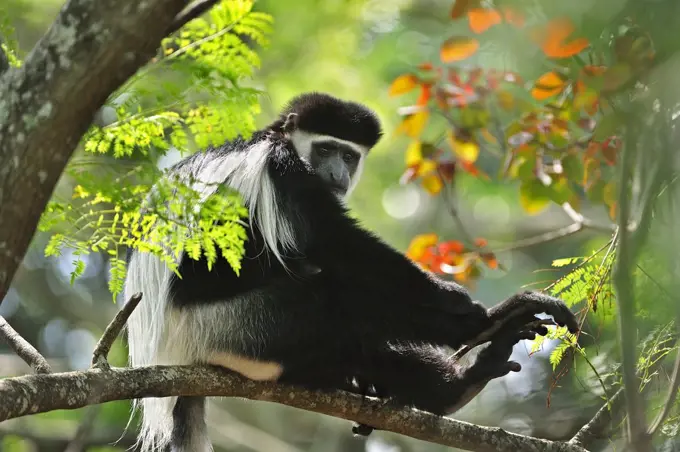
(352, 49)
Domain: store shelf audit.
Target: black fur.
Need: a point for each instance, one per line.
(369, 313)
(327, 115)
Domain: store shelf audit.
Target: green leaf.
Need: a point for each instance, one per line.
(534, 197)
(607, 126)
(573, 167)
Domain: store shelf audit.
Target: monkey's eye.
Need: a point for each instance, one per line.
(349, 157)
(323, 152)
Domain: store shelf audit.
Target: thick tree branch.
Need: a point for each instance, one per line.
(192, 12)
(40, 393)
(21, 347)
(48, 103)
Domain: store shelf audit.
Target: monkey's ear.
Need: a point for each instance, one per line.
(290, 124)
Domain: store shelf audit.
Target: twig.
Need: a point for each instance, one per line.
(670, 398)
(545, 237)
(22, 348)
(79, 441)
(71, 390)
(101, 351)
(604, 415)
(192, 12)
(599, 422)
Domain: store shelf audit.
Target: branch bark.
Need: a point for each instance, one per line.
(23, 349)
(33, 394)
(91, 49)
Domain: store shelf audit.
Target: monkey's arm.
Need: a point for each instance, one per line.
(333, 240)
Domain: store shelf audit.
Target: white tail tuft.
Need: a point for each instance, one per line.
(158, 335)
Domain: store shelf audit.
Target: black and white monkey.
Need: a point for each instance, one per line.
(320, 302)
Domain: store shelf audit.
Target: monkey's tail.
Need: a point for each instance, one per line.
(177, 423)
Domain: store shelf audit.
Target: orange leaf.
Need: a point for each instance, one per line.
(549, 84)
(552, 39)
(481, 242)
(458, 48)
(403, 84)
(425, 94)
(490, 260)
(452, 246)
(481, 19)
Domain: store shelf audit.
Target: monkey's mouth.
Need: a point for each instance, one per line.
(338, 190)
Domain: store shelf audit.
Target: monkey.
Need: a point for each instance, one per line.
(320, 302)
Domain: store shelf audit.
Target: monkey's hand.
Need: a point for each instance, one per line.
(494, 360)
(521, 309)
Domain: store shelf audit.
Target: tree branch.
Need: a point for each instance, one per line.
(623, 285)
(192, 12)
(69, 390)
(21, 347)
(101, 351)
(600, 421)
(670, 398)
(91, 48)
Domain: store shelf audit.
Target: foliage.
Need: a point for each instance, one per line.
(8, 42)
(162, 108)
(556, 137)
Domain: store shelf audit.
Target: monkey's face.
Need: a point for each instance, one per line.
(338, 162)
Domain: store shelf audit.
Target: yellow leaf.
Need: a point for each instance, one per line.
(432, 184)
(427, 167)
(403, 84)
(414, 124)
(467, 151)
(458, 48)
(532, 196)
(414, 154)
(419, 244)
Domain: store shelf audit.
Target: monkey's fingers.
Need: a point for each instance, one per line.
(521, 308)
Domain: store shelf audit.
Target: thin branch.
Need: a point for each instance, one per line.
(605, 414)
(101, 351)
(623, 285)
(41, 393)
(21, 347)
(599, 422)
(79, 441)
(192, 12)
(670, 399)
(545, 237)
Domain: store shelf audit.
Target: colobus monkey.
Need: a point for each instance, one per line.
(320, 302)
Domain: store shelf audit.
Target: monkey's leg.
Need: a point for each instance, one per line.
(427, 378)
